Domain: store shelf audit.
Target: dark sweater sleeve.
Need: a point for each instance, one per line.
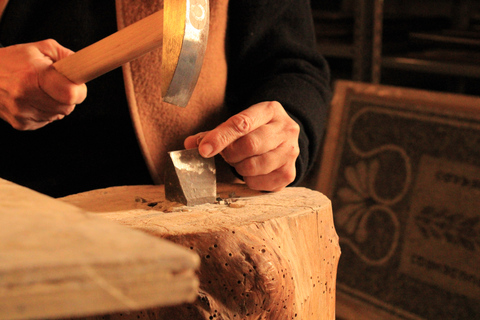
(272, 56)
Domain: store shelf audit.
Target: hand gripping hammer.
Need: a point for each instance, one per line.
(181, 28)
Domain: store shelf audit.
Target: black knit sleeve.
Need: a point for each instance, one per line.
(272, 55)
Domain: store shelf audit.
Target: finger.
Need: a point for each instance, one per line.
(30, 117)
(54, 83)
(28, 125)
(60, 88)
(267, 162)
(263, 140)
(235, 127)
(43, 106)
(51, 113)
(194, 141)
(23, 123)
(274, 181)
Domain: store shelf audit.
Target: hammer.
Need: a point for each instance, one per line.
(181, 27)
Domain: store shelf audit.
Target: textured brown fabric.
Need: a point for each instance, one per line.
(3, 5)
(162, 127)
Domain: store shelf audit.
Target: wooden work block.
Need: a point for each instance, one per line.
(263, 255)
(59, 261)
(402, 168)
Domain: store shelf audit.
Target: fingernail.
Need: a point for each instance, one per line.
(206, 150)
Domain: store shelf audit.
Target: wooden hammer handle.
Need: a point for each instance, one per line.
(113, 51)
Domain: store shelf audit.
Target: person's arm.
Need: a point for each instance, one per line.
(272, 56)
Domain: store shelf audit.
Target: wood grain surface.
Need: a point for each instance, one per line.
(57, 260)
(263, 255)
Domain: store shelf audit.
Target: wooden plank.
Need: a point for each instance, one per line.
(263, 255)
(57, 260)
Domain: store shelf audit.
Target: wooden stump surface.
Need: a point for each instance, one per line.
(263, 255)
(57, 260)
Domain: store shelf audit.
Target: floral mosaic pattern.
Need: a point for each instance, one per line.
(362, 200)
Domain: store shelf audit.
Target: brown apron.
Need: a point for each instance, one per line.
(3, 4)
(162, 127)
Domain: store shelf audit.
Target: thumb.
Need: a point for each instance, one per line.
(194, 141)
(53, 49)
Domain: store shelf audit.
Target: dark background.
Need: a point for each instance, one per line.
(432, 44)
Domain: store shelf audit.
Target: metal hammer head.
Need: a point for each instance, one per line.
(185, 35)
(189, 178)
